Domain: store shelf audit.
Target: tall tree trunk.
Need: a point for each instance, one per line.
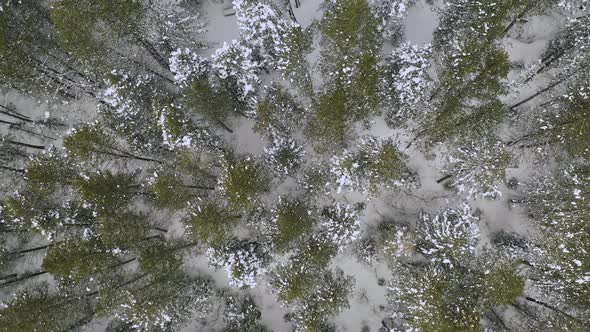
(129, 282)
(526, 100)
(8, 122)
(80, 323)
(516, 19)
(27, 145)
(499, 319)
(123, 263)
(551, 86)
(555, 309)
(188, 245)
(146, 68)
(152, 51)
(25, 277)
(12, 169)
(126, 155)
(224, 126)
(10, 112)
(446, 177)
(196, 187)
(8, 276)
(32, 249)
(159, 229)
(17, 126)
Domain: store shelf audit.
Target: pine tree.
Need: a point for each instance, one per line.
(292, 219)
(212, 223)
(40, 309)
(242, 180)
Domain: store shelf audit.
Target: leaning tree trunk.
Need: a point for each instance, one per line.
(23, 278)
(555, 309)
(26, 145)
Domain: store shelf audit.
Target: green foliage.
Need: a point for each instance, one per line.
(13, 64)
(212, 223)
(350, 26)
(23, 28)
(295, 283)
(242, 180)
(293, 219)
(77, 23)
(316, 253)
(314, 179)
(381, 163)
(287, 156)
(32, 210)
(387, 164)
(137, 108)
(350, 64)
(277, 111)
(298, 44)
(470, 104)
(441, 298)
(87, 141)
(157, 258)
(265, 114)
(122, 230)
(329, 124)
(560, 207)
(331, 297)
(315, 294)
(471, 80)
(442, 303)
(242, 315)
(362, 86)
(168, 191)
(75, 28)
(215, 104)
(176, 123)
(39, 309)
(49, 171)
(158, 303)
(107, 191)
(503, 286)
(572, 126)
(79, 259)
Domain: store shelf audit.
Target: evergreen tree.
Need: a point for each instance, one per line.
(292, 219)
(40, 309)
(242, 180)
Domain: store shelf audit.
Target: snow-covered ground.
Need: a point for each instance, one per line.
(420, 22)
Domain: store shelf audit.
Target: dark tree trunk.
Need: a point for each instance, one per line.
(126, 155)
(152, 51)
(554, 309)
(124, 263)
(10, 112)
(25, 277)
(9, 276)
(196, 187)
(446, 177)
(31, 250)
(80, 323)
(12, 169)
(500, 320)
(27, 145)
(224, 126)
